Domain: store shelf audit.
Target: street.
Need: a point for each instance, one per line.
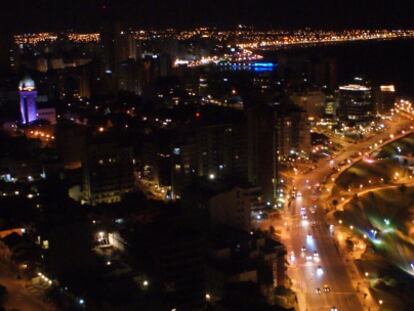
(315, 260)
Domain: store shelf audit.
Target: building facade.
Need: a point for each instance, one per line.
(386, 98)
(107, 173)
(355, 103)
(234, 207)
(28, 94)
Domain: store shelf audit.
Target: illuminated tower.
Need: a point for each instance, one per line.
(28, 94)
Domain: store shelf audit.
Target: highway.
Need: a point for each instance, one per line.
(314, 235)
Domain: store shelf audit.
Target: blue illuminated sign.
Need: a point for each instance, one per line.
(266, 65)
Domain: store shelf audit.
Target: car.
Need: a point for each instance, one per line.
(334, 308)
(318, 291)
(309, 258)
(304, 217)
(292, 256)
(319, 271)
(326, 288)
(303, 249)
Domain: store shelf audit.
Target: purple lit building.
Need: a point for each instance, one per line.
(28, 94)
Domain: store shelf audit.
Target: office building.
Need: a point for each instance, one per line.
(386, 98)
(355, 103)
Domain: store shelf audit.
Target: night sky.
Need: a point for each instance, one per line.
(35, 15)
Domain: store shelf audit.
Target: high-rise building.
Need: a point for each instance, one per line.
(120, 57)
(126, 47)
(221, 151)
(28, 94)
(355, 103)
(386, 98)
(107, 172)
(129, 78)
(262, 151)
(311, 101)
(331, 106)
(164, 64)
(292, 132)
(184, 164)
(70, 144)
(85, 82)
(275, 133)
(323, 72)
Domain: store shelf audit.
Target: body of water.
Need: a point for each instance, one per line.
(381, 62)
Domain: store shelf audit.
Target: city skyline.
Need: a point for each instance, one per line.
(206, 156)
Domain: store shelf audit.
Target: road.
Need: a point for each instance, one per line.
(338, 274)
